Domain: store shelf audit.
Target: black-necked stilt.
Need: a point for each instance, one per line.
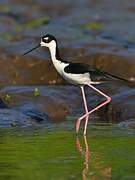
(77, 74)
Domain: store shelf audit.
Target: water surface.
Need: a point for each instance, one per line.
(106, 153)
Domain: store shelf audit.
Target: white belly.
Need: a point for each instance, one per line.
(80, 79)
(76, 79)
(71, 78)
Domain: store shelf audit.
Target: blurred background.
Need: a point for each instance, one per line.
(100, 33)
(97, 32)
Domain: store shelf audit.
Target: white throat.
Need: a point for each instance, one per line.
(52, 49)
(58, 64)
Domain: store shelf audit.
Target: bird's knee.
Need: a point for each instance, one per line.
(109, 99)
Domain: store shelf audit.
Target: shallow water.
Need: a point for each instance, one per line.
(106, 153)
(38, 140)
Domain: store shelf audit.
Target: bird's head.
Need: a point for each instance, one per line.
(47, 41)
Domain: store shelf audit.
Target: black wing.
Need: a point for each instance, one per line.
(77, 68)
(95, 74)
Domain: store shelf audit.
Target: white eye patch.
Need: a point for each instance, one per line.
(46, 38)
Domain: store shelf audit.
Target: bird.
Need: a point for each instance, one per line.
(79, 74)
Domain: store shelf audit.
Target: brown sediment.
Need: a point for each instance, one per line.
(17, 70)
(51, 100)
(22, 71)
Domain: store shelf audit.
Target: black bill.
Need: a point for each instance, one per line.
(32, 49)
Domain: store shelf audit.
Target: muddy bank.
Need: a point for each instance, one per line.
(62, 104)
(19, 70)
(49, 106)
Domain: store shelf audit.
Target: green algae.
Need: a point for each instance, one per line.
(93, 26)
(15, 33)
(36, 92)
(33, 24)
(59, 154)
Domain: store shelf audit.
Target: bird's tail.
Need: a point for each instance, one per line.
(114, 77)
(129, 82)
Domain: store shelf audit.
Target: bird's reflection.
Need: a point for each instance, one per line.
(86, 153)
(104, 171)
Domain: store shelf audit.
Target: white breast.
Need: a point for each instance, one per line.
(71, 78)
(77, 78)
(60, 66)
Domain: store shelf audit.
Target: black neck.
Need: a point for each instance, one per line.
(57, 53)
(58, 57)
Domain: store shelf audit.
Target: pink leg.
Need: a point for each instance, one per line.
(101, 105)
(86, 109)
